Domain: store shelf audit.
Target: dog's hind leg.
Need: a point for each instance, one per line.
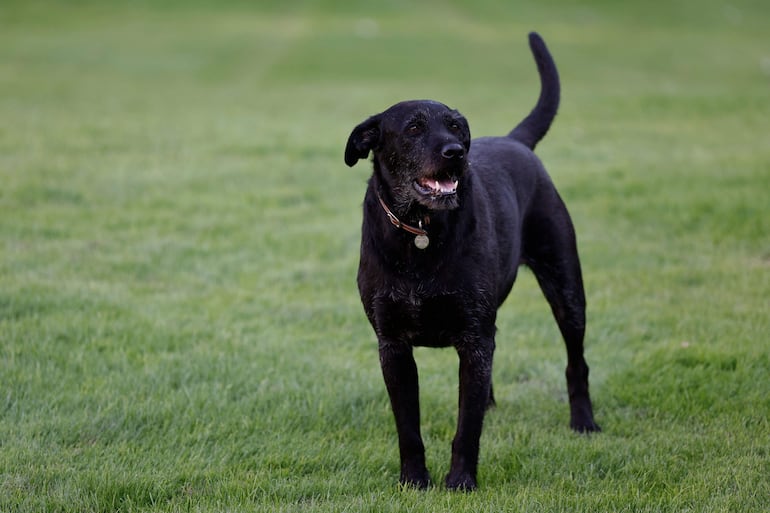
(550, 251)
(491, 403)
(400, 372)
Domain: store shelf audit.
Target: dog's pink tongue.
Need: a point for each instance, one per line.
(439, 186)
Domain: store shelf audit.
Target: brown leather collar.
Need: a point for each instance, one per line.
(397, 223)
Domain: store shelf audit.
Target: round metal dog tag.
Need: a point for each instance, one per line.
(421, 241)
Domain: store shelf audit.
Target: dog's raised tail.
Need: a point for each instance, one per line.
(536, 124)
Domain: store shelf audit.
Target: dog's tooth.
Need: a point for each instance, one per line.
(438, 186)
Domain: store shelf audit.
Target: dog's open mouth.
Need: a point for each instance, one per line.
(436, 188)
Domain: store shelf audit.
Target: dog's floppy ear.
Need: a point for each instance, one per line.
(365, 137)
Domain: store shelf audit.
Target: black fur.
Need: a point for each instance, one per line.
(503, 211)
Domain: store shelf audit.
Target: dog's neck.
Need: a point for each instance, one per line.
(395, 221)
(409, 218)
(400, 214)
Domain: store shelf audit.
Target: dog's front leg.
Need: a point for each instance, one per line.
(400, 373)
(475, 383)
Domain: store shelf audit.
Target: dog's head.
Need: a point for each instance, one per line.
(420, 151)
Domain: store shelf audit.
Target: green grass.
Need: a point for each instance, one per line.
(179, 324)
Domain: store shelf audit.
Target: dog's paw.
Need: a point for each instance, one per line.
(585, 426)
(582, 417)
(461, 482)
(415, 478)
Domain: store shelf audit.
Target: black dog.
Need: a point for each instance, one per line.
(447, 222)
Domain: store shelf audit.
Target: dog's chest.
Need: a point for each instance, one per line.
(422, 319)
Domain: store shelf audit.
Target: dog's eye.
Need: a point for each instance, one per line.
(413, 128)
(454, 126)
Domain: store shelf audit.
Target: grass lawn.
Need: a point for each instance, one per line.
(180, 328)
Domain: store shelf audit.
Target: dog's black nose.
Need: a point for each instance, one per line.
(453, 151)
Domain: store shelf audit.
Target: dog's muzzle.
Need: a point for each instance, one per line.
(436, 188)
